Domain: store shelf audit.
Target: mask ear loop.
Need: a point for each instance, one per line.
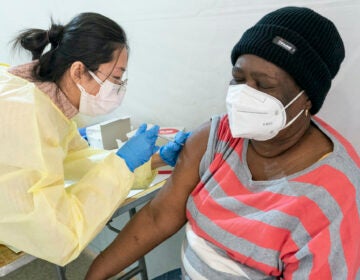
(295, 98)
(294, 119)
(298, 115)
(96, 78)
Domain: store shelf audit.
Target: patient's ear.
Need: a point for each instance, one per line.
(308, 104)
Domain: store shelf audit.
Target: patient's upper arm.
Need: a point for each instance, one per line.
(169, 205)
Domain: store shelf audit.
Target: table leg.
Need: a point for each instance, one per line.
(60, 272)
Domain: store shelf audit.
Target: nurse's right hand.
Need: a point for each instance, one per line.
(139, 148)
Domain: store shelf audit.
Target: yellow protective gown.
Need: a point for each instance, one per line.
(41, 152)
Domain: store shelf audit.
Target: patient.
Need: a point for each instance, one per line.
(268, 190)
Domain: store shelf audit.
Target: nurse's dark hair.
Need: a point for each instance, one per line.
(89, 37)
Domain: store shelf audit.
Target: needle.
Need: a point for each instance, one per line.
(163, 137)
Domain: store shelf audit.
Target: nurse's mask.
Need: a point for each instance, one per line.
(254, 114)
(108, 98)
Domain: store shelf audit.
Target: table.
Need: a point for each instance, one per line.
(11, 261)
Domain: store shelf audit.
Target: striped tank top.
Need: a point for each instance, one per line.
(302, 226)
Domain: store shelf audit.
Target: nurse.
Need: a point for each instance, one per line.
(56, 192)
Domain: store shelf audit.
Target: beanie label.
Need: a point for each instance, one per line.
(281, 42)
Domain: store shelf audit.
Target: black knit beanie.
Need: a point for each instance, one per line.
(300, 41)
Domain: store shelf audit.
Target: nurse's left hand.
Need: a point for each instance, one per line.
(170, 152)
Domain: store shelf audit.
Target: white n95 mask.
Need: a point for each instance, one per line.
(254, 114)
(109, 97)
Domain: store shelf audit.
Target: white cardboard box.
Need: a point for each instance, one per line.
(104, 134)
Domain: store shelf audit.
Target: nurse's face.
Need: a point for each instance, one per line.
(114, 71)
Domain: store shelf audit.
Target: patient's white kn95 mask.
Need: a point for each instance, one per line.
(109, 97)
(254, 114)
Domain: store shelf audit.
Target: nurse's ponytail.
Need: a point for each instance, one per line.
(36, 40)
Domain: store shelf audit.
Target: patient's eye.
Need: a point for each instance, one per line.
(262, 85)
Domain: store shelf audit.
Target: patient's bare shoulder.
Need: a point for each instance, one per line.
(185, 177)
(194, 148)
(186, 172)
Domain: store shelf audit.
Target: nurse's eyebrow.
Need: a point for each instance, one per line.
(123, 69)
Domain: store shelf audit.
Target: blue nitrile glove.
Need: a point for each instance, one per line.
(139, 148)
(82, 132)
(169, 153)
